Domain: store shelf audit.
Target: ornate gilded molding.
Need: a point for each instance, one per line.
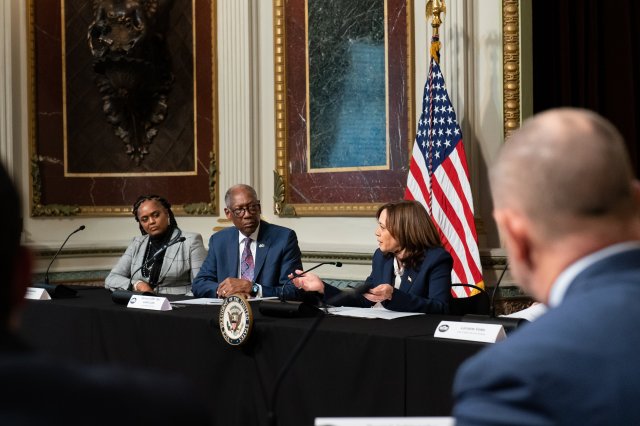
(280, 85)
(348, 258)
(511, 65)
(281, 208)
(493, 262)
(37, 161)
(39, 209)
(210, 208)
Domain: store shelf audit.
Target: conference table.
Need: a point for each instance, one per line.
(349, 366)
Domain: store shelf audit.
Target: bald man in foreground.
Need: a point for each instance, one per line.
(568, 210)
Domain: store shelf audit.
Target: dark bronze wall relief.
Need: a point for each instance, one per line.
(133, 71)
(122, 103)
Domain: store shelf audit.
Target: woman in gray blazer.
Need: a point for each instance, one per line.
(164, 260)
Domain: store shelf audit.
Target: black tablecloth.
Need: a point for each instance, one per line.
(350, 367)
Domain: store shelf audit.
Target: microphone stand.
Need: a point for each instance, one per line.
(58, 291)
(288, 308)
(272, 419)
(509, 324)
(495, 289)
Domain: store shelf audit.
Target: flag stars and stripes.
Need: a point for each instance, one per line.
(438, 177)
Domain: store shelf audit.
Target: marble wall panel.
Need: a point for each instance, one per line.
(78, 161)
(349, 113)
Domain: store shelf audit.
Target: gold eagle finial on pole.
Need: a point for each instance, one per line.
(433, 10)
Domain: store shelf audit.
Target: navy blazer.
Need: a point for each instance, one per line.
(277, 255)
(424, 288)
(575, 365)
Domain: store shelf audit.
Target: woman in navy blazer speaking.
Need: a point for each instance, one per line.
(411, 271)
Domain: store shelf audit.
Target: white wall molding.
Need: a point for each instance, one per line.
(471, 36)
(6, 84)
(235, 93)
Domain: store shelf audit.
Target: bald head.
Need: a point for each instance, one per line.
(562, 166)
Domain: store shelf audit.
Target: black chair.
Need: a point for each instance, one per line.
(478, 304)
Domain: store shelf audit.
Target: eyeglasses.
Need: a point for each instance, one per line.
(241, 211)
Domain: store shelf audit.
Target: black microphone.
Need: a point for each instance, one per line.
(46, 275)
(292, 309)
(495, 289)
(337, 265)
(155, 255)
(58, 290)
(509, 324)
(290, 281)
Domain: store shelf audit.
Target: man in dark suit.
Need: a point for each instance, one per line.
(568, 209)
(38, 390)
(252, 258)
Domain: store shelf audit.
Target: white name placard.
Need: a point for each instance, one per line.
(153, 303)
(470, 331)
(35, 293)
(384, 421)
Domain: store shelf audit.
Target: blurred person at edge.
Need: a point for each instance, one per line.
(567, 207)
(42, 390)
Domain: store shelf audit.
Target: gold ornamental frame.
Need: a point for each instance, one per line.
(282, 185)
(511, 66)
(511, 98)
(200, 201)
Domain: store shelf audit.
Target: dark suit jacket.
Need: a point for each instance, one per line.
(424, 288)
(575, 365)
(277, 255)
(38, 390)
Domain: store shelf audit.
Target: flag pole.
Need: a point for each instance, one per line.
(438, 174)
(432, 11)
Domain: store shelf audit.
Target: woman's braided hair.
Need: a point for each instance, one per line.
(163, 202)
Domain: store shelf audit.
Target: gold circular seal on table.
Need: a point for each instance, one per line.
(236, 319)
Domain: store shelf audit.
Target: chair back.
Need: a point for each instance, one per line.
(478, 304)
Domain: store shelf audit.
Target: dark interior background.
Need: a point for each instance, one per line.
(586, 53)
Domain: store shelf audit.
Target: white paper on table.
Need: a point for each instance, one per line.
(531, 313)
(211, 301)
(381, 313)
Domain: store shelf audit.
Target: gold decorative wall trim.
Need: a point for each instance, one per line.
(283, 207)
(511, 65)
(280, 85)
(204, 206)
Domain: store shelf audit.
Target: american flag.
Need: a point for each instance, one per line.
(439, 179)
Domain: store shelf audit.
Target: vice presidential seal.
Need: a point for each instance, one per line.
(236, 319)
